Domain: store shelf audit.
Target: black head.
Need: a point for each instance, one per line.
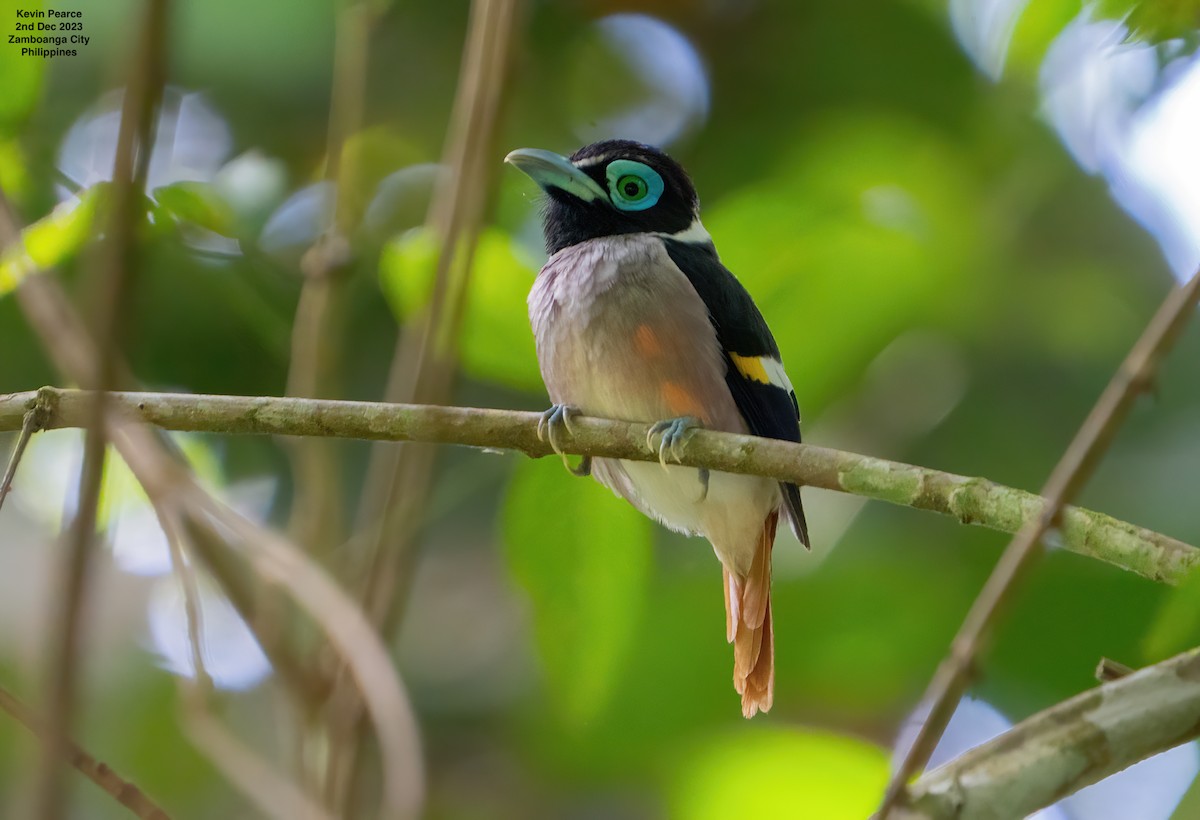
(609, 188)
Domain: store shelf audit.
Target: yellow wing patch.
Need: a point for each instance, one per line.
(762, 369)
(752, 367)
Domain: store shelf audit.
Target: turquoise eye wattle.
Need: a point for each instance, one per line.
(633, 186)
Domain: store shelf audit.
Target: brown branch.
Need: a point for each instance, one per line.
(1135, 376)
(135, 140)
(33, 421)
(170, 485)
(117, 787)
(968, 500)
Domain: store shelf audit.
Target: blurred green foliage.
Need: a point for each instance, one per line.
(866, 183)
(587, 578)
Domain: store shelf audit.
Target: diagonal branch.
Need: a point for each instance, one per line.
(1068, 746)
(1135, 376)
(33, 421)
(969, 500)
(121, 790)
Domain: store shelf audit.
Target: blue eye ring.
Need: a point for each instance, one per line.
(633, 186)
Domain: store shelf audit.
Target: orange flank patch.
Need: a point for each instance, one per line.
(646, 341)
(681, 401)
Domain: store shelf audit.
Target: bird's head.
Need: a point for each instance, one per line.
(610, 188)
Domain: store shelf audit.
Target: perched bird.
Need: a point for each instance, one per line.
(636, 318)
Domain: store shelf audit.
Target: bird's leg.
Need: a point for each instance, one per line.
(550, 428)
(673, 434)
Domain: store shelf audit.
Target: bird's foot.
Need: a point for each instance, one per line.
(673, 434)
(551, 426)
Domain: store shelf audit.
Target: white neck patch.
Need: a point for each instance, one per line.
(694, 234)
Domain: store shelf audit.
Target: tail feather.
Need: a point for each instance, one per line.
(748, 626)
(733, 598)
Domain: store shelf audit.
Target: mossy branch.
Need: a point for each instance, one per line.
(970, 500)
(1066, 747)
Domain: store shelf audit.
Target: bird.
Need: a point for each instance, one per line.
(635, 318)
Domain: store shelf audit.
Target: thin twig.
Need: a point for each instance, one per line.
(316, 520)
(238, 586)
(1134, 377)
(270, 792)
(169, 485)
(189, 588)
(316, 517)
(52, 318)
(117, 787)
(130, 167)
(350, 633)
(424, 366)
(968, 500)
(31, 423)
(65, 339)
(1068, 746)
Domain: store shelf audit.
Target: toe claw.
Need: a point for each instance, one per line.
(584, 469)
(545, 421)
(673, 435)
(550, 428)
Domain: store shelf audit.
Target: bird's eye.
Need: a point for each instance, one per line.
(634, 186)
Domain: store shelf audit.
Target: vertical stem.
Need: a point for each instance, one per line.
(399, 477)
(113, 282)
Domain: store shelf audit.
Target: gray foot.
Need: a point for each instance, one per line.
(673, 434)
(553, 423)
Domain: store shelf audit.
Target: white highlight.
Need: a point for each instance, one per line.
(1163, 155)
(985, 29)
(588, 162)
(660, 76)
(1097, 91)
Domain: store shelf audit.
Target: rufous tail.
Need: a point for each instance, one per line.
(748, 625)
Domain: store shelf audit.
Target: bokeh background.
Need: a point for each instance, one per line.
(956, 218)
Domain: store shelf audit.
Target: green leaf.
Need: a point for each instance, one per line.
(1155, 21)
(197, 203)
(496, 343)
(584, 558)
(22, 78)
(1177, 626)
(14, 171)
(51, 240)
(1036, 28)
(768, 772)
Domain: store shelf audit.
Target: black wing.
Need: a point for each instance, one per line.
(768, 405)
